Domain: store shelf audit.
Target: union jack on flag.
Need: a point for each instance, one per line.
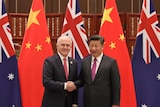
(5, 37)
(9, 81)
(146, 61)
(149, 28)
(73, 26)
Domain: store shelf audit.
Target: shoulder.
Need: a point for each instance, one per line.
(108, 58)
(72, 59)
(88, 57)
(52, 58)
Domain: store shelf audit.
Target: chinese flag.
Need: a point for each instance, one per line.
(115, 47)
(35, 48)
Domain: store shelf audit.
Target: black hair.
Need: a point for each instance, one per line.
(96, 38)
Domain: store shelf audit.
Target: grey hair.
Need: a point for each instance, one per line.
(61, 37)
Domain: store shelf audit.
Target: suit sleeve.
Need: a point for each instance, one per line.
(75, 92)
(48, 81)
(115, 78)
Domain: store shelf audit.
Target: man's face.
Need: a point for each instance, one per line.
(96, 48)
(64, 46)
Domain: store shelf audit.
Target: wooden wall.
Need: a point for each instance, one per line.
(129, 23)
(92, 13)
(86, 6)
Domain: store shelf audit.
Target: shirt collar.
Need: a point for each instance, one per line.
(62, 57)
(98, 58)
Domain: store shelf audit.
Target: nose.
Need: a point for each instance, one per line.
(93, 48)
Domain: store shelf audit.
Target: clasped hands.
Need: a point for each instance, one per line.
(70, 86)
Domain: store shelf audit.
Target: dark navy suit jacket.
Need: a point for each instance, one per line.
(53, 81)
(104, 91)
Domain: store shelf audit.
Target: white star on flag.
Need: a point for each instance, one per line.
(10, 76)
(144, 105)
(158, 76)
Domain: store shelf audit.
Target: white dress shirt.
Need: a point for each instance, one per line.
(99, 58)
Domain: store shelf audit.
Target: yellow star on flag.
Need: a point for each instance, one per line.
(112, 45)
(38, 47)
(121, 37)
(48, 40)
(33, 18)
(106, 15)
(28, 45)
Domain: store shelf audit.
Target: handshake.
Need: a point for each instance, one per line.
(70, 86)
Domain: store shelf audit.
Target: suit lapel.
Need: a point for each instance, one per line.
(70, 62)
(88, 68)
(99, 68)
(60, 65)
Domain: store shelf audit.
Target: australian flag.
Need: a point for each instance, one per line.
(146, 61)
(9, 82)
(73, 26)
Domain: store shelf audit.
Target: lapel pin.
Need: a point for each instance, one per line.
(71, 62)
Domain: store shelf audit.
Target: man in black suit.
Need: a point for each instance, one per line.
(59, 76)
(100, 77)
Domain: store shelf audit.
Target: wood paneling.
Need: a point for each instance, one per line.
(137, 5)
(93, 9)
(86, 6)
(83, 6)
(51, 6)
(123, 5)
(92, 6)
(132, 21)
(63, 6)
(157, 5)
(99, 6)
(92, 22)
(11, 6)
(23, 6)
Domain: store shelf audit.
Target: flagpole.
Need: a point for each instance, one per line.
(88, 6)
(139, 10)
(95, 6)
(45, 5)
(16, 7)
(59, 9)
(103, 6)
(131, 6)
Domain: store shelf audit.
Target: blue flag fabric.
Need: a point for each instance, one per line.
(146, 61)
(9, 82)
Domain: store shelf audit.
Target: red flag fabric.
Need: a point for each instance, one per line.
(35, 48)
(115, 47)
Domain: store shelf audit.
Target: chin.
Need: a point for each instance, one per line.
(94, 55)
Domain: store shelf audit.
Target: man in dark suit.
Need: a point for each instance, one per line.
(100, 77)
(59, 76)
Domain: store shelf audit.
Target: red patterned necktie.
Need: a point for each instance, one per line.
(94, 69)
(65, 68)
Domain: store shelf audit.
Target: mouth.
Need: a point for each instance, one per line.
(93, 52)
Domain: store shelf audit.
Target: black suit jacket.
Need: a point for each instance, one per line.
(104, 91)
(53, 81)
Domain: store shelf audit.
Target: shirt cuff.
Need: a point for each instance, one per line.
(65, 86)
(75, 105)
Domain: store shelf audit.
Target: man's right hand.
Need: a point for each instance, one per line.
(70, 86)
